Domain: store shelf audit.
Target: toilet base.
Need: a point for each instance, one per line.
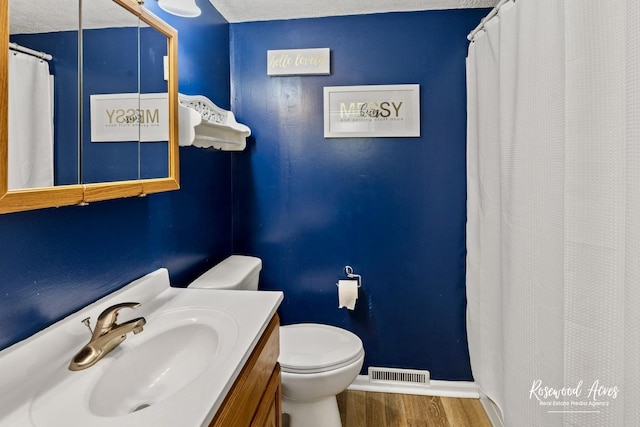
(319, 413)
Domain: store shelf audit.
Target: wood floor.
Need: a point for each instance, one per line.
(366, 409)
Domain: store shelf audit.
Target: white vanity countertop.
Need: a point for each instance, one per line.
(37, 389)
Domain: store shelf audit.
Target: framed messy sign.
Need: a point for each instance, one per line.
(372, 111)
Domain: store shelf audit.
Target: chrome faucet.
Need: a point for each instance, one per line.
(106, 336)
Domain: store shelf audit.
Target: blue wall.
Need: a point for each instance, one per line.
(393, 208)
(55, 261)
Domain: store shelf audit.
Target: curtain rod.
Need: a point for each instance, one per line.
(486, 19)
(41, 55)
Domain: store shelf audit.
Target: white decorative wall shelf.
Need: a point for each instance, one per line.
(204, 124)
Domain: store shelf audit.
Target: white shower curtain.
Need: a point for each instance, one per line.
(553, 229)
(30, 122)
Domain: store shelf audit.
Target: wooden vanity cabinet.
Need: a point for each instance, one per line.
(255, 398)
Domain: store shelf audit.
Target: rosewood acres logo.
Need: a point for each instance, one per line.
(581, 398)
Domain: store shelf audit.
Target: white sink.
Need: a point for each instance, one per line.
(177, 371)
(176, 348)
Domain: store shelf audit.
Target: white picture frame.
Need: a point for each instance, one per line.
(372, 111)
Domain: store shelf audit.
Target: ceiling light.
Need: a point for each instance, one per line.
(184, 8)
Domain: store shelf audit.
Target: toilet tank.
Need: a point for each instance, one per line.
(235, 272)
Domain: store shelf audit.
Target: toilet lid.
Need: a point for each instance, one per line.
(313, 348)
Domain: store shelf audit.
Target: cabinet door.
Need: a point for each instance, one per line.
(269, 412)
(257, 385)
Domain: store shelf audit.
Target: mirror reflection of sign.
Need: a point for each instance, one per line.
(130, 117)
(122, 116)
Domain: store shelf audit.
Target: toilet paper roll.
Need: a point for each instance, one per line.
(347, 293)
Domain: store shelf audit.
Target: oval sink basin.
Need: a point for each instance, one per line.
(172, 351)
(158, 368)
(154, 370)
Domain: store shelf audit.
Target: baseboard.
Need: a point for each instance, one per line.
(492, 410)
(462, 389)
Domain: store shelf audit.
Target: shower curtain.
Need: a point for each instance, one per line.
(553, 228)
(30, 122)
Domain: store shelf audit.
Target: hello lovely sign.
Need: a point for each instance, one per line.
(297, 62)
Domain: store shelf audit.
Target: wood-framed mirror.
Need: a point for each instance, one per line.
(154, 174)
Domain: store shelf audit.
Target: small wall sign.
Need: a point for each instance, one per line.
(372, 111)
(297, 62)
(129, 117)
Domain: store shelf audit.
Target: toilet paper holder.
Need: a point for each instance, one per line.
(348, 270)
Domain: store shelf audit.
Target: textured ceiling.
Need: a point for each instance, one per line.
(41, 16)
(44, 16)
(266, 10)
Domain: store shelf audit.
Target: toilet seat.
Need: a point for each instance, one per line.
(309, 348)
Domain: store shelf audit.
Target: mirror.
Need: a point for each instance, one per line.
(122, 142)
(110, 87)
(154, 105)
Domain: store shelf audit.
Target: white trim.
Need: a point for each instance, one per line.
(461, 389)
(492, 410)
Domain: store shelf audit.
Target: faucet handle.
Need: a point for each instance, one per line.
(87, 322)
(108, 317)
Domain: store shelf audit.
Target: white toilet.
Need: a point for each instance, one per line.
(317, 361)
